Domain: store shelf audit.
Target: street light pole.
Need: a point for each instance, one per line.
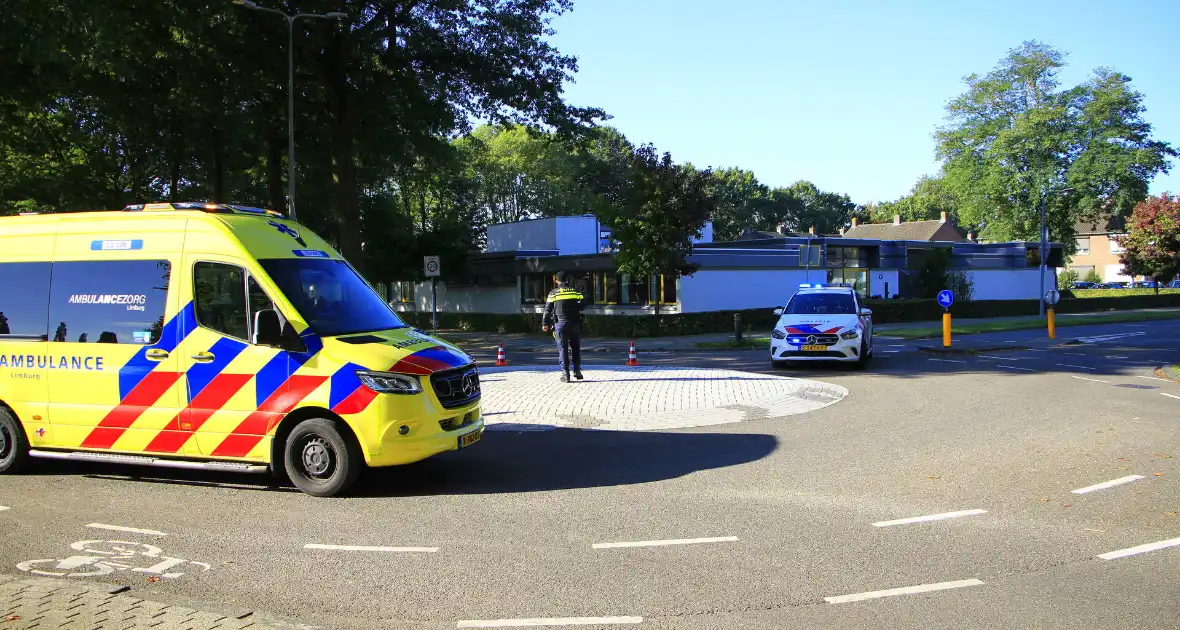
(1045, 243)
(335, 15)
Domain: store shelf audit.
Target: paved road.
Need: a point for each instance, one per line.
(516, 528)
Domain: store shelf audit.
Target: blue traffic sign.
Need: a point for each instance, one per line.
(946, 297)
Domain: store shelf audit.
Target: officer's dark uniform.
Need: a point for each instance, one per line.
(564, 306)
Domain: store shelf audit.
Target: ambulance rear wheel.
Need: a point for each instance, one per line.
(320, 460)
(14, 444)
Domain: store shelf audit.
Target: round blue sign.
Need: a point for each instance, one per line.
(946, 297)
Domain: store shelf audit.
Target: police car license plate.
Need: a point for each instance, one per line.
(469, 439)
(813, 348)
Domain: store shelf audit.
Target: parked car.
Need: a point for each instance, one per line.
(1146, 284)
(1109, 285)
(1082, 285)
(1175, 284)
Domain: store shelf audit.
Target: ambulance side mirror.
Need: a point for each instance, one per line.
(268, 331)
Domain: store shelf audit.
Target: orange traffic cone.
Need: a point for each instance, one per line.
(631, 360)
(500, 360)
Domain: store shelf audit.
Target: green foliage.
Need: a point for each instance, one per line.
(827, 212)
(1092, 276)
(1098, 294)
(1066, 278)
(927, 200)
(1013, 138)
(1152, 246)
(934, 274)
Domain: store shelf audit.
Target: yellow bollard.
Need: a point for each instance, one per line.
(946, 330)
(1052, 323)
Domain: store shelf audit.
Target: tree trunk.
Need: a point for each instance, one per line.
(276, 142)
(348, 214)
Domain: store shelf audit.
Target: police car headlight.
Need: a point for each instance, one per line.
(388, 383)
(850, 334)
(778, 334)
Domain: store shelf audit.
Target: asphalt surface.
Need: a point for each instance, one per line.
(513, 522)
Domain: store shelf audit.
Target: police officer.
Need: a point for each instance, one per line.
(564, 308)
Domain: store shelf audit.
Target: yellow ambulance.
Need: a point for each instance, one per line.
(211, 336)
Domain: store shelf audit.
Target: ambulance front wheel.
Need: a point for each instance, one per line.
(14, 444)
(320, 460)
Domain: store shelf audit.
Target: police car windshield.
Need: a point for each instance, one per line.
(330, 296)
(821, 304)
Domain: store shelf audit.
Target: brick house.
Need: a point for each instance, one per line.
(1097, 249)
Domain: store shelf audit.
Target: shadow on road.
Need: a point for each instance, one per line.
(503, 462)
(561, 459)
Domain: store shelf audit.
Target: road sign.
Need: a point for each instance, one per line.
(431, 265)
(946, 297)
(1052, 296)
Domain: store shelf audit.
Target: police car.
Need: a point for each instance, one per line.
(822, 322)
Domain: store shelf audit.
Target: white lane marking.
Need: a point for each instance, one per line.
(550, 621)
(131, 530)
(1092, 380)
(946, 360)
(1101, 338)
(889, 351)
(1134, 551)
(1013, 367)
(905, 590)
(1080, 367)
(1152, 378)
(1112, 356)
(1033, 350)
(988, 356)
(1108, 484)
(893, 345)
(929, 517)
(370, 548)
(1009, 342)
(1075, 354)
(4, 507)
(1170, 396)
(661, 543)
(893, 338)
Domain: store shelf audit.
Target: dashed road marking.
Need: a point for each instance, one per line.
(549, 621)
(1075, 354)
(1111, 356)
(4, 507)
(1108, 484)
(988, 356)
(1134, 551)
(1170, 395)
(946, 360)
(929, 517)
(660, 543)
(130, 530)
(371, 548)
(1092, 380)
(1080, 367)
(1013, 367)
(1152, 378)
(905, 590)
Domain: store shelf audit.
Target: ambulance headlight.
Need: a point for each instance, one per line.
(389, 383)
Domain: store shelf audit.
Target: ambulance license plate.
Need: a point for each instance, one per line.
(813, 348)
(469, 439)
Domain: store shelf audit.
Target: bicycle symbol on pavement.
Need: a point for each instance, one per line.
(103, 557)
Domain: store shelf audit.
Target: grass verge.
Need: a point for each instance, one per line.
(1002, 326)
(745, 344)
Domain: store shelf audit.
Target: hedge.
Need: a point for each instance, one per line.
(884, 312)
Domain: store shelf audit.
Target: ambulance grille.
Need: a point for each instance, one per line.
(456, 388)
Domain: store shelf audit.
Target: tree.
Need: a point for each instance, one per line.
(1152, 246)
(1013, 138)
(1066, 278)
(738, 197)
(927, 200)
(826, 212)
(663, 208)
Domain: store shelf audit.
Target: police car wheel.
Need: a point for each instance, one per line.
(319, 460)
(14, 445)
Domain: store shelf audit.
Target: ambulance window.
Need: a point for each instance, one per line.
(108, 301)
(24, 300)
(219, 296)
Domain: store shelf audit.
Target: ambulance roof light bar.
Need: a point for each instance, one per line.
(216, 208)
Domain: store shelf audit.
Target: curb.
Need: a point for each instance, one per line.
(1004, 348)
(1165, 371)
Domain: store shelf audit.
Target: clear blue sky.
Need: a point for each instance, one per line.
(845, 93)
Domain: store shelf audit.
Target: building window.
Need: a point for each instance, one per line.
(1115, 248)
(635, 289)
(606, 288)
(535, 287)
(109, 301)
(1084, 246)
(24, 300)
(404, 292)
(809, 255)
(663, 287)
(846, 257)
(858, 278)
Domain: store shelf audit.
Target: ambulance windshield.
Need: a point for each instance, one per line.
(331, 296)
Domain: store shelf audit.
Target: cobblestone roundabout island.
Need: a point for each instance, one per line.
(531, 398)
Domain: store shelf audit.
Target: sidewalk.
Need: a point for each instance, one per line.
(488, 342)
(36, 602)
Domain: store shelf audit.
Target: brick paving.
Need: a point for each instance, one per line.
(643, 398)
(36, 602)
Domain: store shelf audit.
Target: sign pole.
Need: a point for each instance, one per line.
(946, 297)
(434, 304)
